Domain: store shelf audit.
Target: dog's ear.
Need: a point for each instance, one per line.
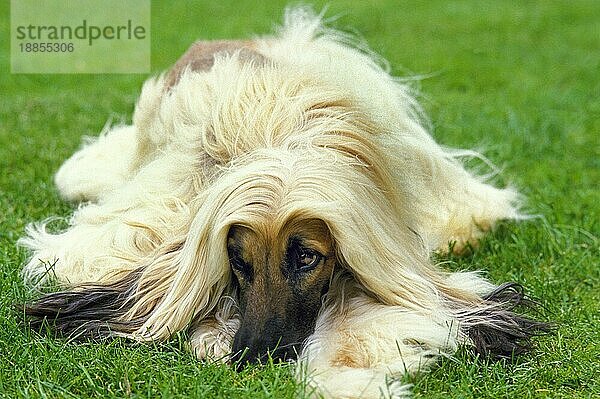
(119, 307)
(87, 311)
(497, 329)
(201, 57)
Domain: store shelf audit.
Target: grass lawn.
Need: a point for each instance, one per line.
(520, 80)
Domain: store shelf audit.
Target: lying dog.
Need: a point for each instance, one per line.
(279, 195)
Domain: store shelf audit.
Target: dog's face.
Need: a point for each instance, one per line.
(282, 278)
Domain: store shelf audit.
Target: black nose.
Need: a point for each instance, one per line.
(247, 348)
(250, 348)
(239, 360)
(242, 358)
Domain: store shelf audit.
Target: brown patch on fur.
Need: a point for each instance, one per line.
(346, 355)
(344, 358)
(201, 57)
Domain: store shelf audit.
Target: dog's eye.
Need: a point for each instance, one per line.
(308, 259)
(239, 265)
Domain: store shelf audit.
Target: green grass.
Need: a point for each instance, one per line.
(518, 79)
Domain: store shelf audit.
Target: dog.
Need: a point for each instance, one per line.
(279, 197)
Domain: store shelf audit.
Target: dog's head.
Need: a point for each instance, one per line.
(281, 277)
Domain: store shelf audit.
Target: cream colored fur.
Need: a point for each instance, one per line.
(321, 131)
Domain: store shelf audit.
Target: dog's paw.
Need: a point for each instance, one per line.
(355, 383)
(212, 340)
(464, 239)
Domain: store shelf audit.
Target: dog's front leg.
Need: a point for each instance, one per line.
(212, 338)
(363, 350)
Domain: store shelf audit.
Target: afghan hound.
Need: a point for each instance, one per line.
(279, 196)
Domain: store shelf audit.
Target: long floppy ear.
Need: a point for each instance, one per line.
(496, 328)
(182, 281)
(201, 57)
(117, 308)
(88, 311)
(492, 321)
